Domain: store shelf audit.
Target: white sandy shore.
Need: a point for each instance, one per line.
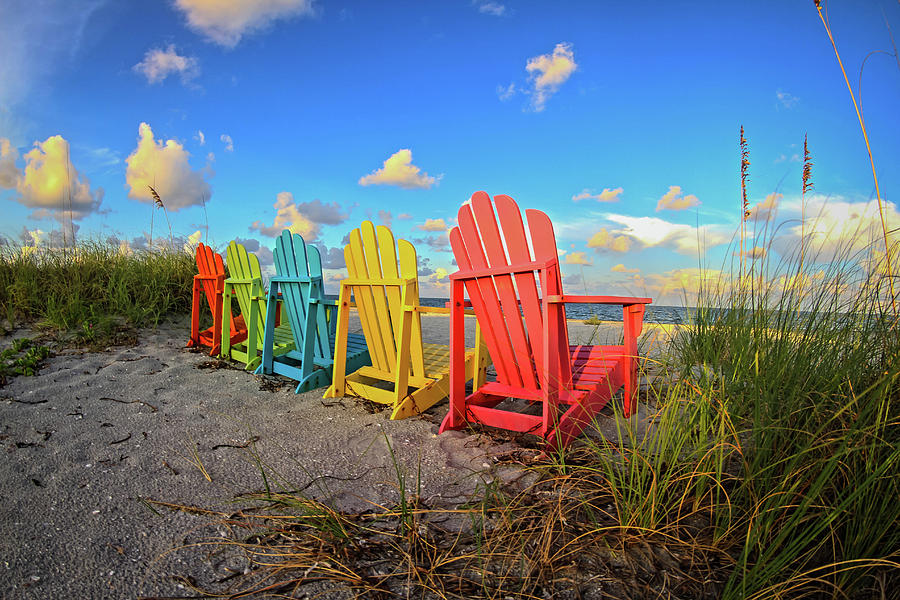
(95, 435)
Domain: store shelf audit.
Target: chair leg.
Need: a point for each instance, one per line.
(338, 381)
(456, 415)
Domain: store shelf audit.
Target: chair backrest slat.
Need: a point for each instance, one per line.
(317, 292)
(484, 298)
(244, 265)
(409, 269)
(508, 306)
(372, 261)
(209, 263)
(296, 259)
(517, 245)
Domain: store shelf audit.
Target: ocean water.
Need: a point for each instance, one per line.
(655, 313)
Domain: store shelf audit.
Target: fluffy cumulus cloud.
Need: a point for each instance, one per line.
(548, 72)
(229, 143)
(651, 231)
(159, 64)
(49, 183)
(756, 253)
(225, 22)
(839, 226)
(620, 268)
(607, 195)
(577, 258)
(674, 199)
(680, 285)
(765, 209)
(604, 240)
(398, 170)
(305, 218)
(433, 225)
(164, 165)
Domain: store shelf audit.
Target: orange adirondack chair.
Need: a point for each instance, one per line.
(526, 335)
(211, 281)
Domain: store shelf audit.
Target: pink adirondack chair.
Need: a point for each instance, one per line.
(210, 280)
(526, 335)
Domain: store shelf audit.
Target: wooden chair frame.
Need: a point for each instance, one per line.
(388, 303)
(245, 284)
(210, 283)
(312, 319)
(526, 334)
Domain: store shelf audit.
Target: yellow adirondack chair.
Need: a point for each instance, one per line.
(245, 283)
(389, 311)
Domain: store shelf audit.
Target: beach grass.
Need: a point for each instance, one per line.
(93, 292)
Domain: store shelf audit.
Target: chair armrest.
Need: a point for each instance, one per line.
(466, 304)
(233, 280)
(620, 300)
(441, 310)
(428, 309)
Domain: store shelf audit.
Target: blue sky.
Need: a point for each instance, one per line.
(618, 119)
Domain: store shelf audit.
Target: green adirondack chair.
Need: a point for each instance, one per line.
(245, 284)
(312, 318)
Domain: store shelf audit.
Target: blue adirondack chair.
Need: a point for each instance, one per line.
(312, 318)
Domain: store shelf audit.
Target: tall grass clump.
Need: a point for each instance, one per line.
(93, 287)
(805, 365)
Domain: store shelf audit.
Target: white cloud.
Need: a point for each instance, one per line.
(490, 8)
(755, 253)
(607, 195)
(50, 183)
(433, 225)
(200, 137)
(577, 258)
(398, 170)
(549, 72)
(190, 245)
(620, 268)
(679, 285)
(305, 218)
(786, 100)
(159, 64)
(603, 240)
(834, 225)
(675, 200)
(506, 92)
(765, 209)
(229, 143)
(9, 173)
(651, 231)
(225, 22)
(165, 166)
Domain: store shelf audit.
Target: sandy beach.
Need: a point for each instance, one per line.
(96, 438)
